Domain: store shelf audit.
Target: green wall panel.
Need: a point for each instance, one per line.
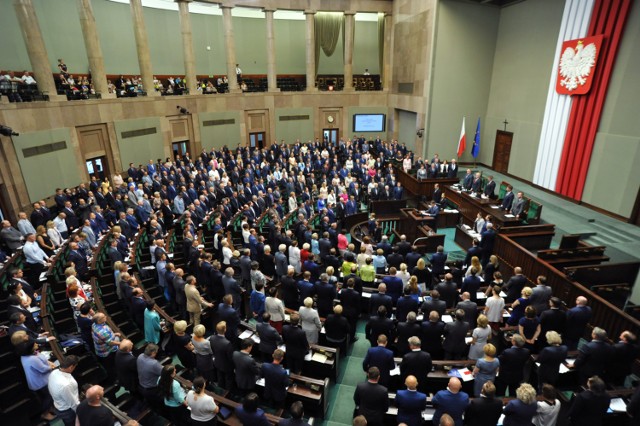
(115, 29)
(294, 129)
(43, 173)
(290, 46)
(12, 48)
(220, 135)
(139, 149)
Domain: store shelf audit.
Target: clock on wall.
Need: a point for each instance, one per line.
(330, 118)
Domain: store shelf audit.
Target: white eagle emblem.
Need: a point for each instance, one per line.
(575, 65)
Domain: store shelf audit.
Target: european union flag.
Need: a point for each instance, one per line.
(476, 141)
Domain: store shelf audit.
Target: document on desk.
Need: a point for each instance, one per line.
(366, 295)
(255, 338)
(463, 374)
(503, 294)
(287, 318)
(447, 318)
(318, 357)
(260, 381)
(468, 340)
(392, 411)
(245, 334)
(480, 295)
(509, 216)
(618, 405)
(395, 371)
(308, 356)
(494, 206)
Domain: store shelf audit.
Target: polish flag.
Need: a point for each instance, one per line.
(462, 143)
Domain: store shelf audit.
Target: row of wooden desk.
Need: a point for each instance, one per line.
(469, 207)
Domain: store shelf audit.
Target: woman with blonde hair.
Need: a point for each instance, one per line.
(368, 247)
(403, 274)
(310, 320)
(422, 274)
(486, 368)
(475, 263)
(203, 351)
(44, 242)
(518, 306)
(54, 235)
(479, 337)
(361, 258)
(332, 279)
(491, 267)
(520, 411)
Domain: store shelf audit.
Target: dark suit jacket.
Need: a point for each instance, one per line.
(232, 318)
(440, 306)
(138, 305)
(404, 305)
(276, 381)
(381, 357)
(222, 353)
(296, 340)
(326, 293)
(473, 251)
(483, 412)
(592, 359)
(269, 338)
(377, 300)
(247, 370)
(410, 406)
(438, 261)
(372, 401)
(514, 287)
(336, 327)
(471, 284)
(454, 334)
(127, 370)
(507, 201)
(550, 359)
(470, 310)
(115, 255)
(30, 323)
(256, 418)
(577, 319)
(431, 337)
(448, 292)
(552, 319)
(416, 363)
(350, 300)
(394, 287)
(512, 362)
(589, 409)
(377, 326)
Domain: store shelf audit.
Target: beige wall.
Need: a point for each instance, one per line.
(613, 181)
(462, 68)
(525, 49)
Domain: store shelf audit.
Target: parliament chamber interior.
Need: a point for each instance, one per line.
(346, 212)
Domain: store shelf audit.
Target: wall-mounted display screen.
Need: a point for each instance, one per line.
(369, 122)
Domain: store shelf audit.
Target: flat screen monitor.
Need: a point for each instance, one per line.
(369, 122)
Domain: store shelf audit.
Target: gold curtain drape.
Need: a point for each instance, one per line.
(327, 28)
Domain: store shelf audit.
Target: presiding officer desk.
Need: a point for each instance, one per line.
(469, 207)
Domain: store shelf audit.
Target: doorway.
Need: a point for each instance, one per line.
(502, 151)
(180, 149)
(331, 136)
(97, 167)
(256, 139)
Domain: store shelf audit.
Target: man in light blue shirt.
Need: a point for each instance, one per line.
(36, 258)
(24, 226)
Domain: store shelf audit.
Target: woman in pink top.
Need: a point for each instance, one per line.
(342, 243)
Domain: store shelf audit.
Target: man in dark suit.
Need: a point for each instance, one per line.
(577, 319)
(517, 208)
(507, 201)
(126, 366)
(326, 293)
(404, 331)
(276, 380)
(489, 187)
(448, 290)
(512, 363)
(474, 250)
(451, 401)
(79, 260)
(416, 362)
(514, 286)
(453, 169)
(372, 399)
(222, 356)
(337, 329)
(438, 261)
(17, 320)
(114, 254)
(394, 284)
(232, 287)
(454, 333)
(297, 345)
(624, 353)
(541, 295)
(410, 403)
(381, 357)
(476, 184)
(138, 305)
(181, 298)
(469, 307)
(17, 277)
(16, 305)
(350, 300)
(230, 316)
(434, 304)
(297, 415)
(395, 259)
(247, 370)
(380, 299)
(487, 241)
(593, 357)
(486, 410)
(553, 318)
(471, 284)
(269, 337)
(436, 196)
(379, 324)
(407, 303)
(404, 246)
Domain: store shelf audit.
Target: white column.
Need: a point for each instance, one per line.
(142, 46)
(271, 52)
(349, 29)
(230, 46)
(187, 46)
(94, 50)
(310, 40)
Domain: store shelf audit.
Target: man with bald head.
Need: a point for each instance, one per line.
(410, 403)
(380, 299)
(126, 366)
(451, 401)
(577, 319)
(91, 412)
(514, 286)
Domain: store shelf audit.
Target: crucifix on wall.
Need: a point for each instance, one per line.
(505, 122)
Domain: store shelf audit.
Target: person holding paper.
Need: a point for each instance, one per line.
(590, 407)
(550, 358)
(381, 357)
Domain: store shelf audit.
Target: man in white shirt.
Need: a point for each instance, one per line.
(61, 224)
(36, 259)
(64, 390)
(27, 79)
(24, 226)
